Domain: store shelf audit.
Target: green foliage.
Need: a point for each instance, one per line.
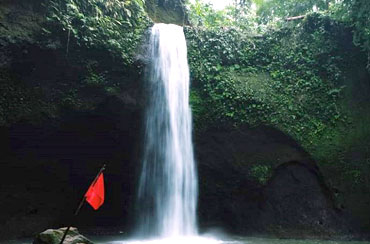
(356, 14)
(289, 78)
(70, 99)
(198, 109)
(19, 102)
(113, 25)
(93, 78)
(272, 10)
(204, 15)
(256, 15)
(292, 75)
(261, 173)
(351, 149)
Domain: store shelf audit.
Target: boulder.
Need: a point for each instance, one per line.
(54, 236)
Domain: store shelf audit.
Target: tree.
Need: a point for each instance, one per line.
(356, 14)
(269, 10)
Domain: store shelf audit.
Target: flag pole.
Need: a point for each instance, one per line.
(80, 205)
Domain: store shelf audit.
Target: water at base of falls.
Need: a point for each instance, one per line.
(167, 195)
(229, 240)
(175, 240)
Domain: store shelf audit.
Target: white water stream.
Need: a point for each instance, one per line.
(167, 196)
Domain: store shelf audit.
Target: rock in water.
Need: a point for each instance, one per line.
(52, 236)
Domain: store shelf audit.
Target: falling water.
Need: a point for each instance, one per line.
(168, 182)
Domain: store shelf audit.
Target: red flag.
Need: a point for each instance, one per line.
(95, 194)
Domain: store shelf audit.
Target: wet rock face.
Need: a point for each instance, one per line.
(298, 204)
(167, 11)
(288, 200)
(57, 129)
(56, 132)
(49, 167)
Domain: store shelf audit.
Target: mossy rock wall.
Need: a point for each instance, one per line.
(62, 115)
(167, 11)
(306, 79)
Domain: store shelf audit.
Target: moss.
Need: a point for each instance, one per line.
(261, 173)
(169, 12)
(19, 23)
(116, 27)
(19, 102)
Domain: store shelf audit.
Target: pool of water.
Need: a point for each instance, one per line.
(199, 240)
(223, 240)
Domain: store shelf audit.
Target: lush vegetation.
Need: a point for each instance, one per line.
(288, 77)
(94, 42)
(112, 25)
(356, 13)
(254, 64)
(258, 15)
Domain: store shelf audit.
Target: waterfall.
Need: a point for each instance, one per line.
(167, 195)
